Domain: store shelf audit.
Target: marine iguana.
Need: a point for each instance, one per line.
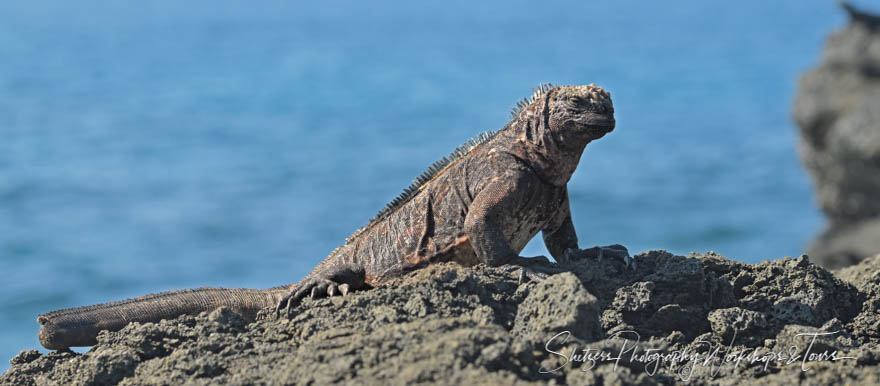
(481, 204)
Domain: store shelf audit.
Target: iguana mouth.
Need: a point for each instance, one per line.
(599, 121)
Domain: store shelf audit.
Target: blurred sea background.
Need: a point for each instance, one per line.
(161, 145)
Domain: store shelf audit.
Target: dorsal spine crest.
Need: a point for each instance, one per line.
(424, 178)
(537, 93)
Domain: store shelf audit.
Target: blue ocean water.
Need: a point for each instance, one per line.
(168, 144)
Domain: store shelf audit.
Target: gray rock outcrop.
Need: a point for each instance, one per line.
(452, 325)
(838, 113)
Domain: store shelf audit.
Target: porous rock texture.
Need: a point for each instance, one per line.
(838, 112)
(452, 325)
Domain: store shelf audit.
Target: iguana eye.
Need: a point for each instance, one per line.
(576, 101)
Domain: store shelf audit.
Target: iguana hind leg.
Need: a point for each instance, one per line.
(330, 281)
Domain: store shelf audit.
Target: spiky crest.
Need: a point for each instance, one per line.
(425, 177)
(441, 165)
(537, 93)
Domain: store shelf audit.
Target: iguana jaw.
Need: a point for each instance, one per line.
(599, 123)
(592, 126)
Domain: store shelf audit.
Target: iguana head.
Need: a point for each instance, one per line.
(582, 111)
(572, 113)
(553, 126)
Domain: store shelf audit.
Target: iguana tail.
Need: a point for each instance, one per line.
(79, 326)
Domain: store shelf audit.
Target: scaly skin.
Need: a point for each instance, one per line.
(482, 205)
(79, 326)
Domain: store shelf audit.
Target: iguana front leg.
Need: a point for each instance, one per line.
(560, 237)
(561, 241)
(491, 211)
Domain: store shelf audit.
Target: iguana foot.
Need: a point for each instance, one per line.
(615, 251)
(532, 269)
(339, 280)
(525, 274)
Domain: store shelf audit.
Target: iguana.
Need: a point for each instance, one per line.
(481, 204)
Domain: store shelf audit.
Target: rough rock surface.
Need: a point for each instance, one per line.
(838, 112)
(452, 325)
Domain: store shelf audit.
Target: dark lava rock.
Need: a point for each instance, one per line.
(559, 303)
(675, 319)
(838, 112)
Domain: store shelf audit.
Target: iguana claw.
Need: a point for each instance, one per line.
(627, 259)
(528, 274)
(525, 274)
(531, 269)
(312, 288)
(334, 281)
(316, 288)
